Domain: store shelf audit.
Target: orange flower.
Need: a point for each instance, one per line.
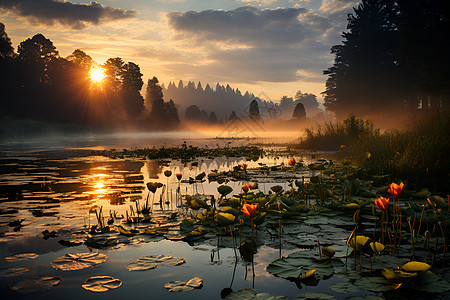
(244, 166)
(245, 188)
(396, 189)
(382, 203)
(249, 210)
(292, 162)
(179, 175)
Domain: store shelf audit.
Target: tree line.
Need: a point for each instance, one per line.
(37, 83)
(394, 58)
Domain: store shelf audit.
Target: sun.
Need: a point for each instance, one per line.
(97, 74)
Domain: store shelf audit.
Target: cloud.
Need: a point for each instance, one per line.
(248, 25)
(251, 45)
(75, 15)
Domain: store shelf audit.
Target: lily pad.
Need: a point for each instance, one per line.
(416, 266)
(10, 272)
(183, 286)
(344, 287)
(375, 284)
(34, 285)
(152, 261)
(250, 294)
(318, 296)
(78, 261)
(21, 256)
(101, 283)
(431, 283)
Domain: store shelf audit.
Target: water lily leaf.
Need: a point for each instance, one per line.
(416, 266)
(318, 296)
(10, 272)
(375, 284)
(438, 201)
(277, 189)
(152, 261)
(200, 176)
(329, 252)
(376, 247)
(78, 261)
(351, 206)
(224, 190)
(344, 287)
(183, 286)
(101, 283)
(21, 256)
(361, 242)
(225, 219)
(431, 283)
(396, 274)
(33, 285)
(365, 297)
(250, 294)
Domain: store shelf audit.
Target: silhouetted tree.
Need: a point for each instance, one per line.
(233, 116)
(6, 48)
(299, 112)
(154, 97)
(171, 113)
(193, 113)
(212, 118)
(80, 58)
(254, 111)
(362, 78)
(309, 101)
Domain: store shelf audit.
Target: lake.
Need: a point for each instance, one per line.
(52, 191)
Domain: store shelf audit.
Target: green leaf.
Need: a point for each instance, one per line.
(78, 261)
(318, 296)
(225, 219)
(224, 190)
(416, 266)
(250, 294)
(184, 286)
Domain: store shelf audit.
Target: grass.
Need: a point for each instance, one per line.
(418, 154)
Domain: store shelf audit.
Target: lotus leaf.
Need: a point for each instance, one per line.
(37, 284)
(101, 283)
(344, 287)
(78, 261)
(416, 266)
(152, 261)
(225, 219)
(10, 272)
(224, 190)
(365, 297)
(21, 256)
(277, 189)
(351, 206)
(438, 201)
(375, 284)
(361, 242)
(329, 252)
(431, 283)
(376, 247)
(200, 176)
(396, 274)
(317, 296)
(183, 286)
(250, 294)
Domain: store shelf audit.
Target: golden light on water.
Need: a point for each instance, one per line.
(97, 74)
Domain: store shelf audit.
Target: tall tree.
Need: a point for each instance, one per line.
(365, 65)
(6, 48)
(131, 86)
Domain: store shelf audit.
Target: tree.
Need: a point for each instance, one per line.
(309, 101)
(362, 78)
(254, 111)
(212, 118)
(6, 48)
(299, 112)
(81, 59)
(155, 100)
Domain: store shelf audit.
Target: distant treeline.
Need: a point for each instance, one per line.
(394, 60)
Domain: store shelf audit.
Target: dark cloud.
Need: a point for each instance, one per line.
(249, 45)
(71, 14)
(246, 24)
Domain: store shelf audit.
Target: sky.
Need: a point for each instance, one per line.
(272, 48)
